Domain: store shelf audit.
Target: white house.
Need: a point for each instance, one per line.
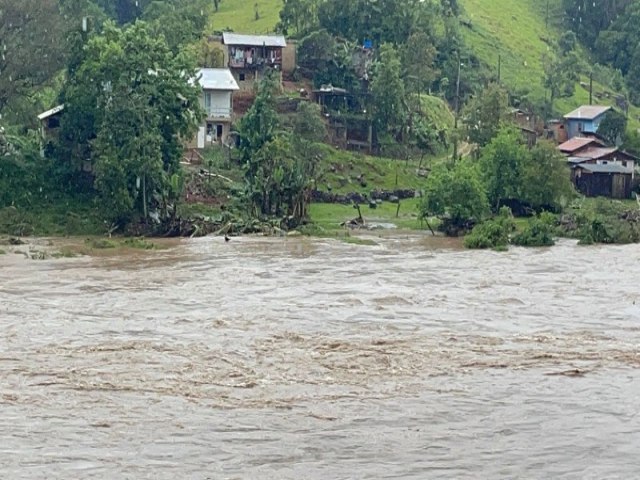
(218, 86)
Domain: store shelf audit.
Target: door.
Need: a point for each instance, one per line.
(219, 130)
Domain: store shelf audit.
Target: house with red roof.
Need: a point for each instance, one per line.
(597, 169)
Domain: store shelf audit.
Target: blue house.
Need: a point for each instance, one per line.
(585, 119)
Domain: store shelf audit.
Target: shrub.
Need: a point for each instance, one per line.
(537, 233)
(493, 233)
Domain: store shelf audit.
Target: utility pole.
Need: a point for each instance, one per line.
(457, 112)
(458, 93)
(591, 87)
(546, 18)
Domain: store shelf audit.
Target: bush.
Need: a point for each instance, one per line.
(139, 243)
(608, 230)
(493, 233)
(455, 195)
(99, 243)
(538, 233)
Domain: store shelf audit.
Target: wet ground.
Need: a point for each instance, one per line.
(299, 358)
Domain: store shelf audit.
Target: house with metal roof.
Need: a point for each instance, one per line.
(248, 56)
(218, 86)
(591, 150)
(603, 179)
(585, 119)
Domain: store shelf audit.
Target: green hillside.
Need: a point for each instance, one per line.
(518, 32)
(514, 30)
(240, 16)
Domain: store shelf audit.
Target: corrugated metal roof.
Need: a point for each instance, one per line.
(253, 40)
(51, 112)
(587, 112)
(217, 79)
(576, 143)
(594, 153)
(606, 168)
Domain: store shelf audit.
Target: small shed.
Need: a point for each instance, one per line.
(603, 180)
(50, 121)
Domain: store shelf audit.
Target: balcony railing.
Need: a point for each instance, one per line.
(254, 62)
(218, 112)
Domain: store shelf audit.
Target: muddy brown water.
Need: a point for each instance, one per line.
(314, 359)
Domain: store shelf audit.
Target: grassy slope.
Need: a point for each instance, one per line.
(239, 16)
(515, 30)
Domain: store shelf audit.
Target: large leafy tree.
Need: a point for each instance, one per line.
(456, 195)
(418, 61)
(22, 178)
(278, 166)
(388, 93)
(485, 114)
(181, 22)
(545, 178)
(561, 74)
(613, 127)
(298, 17)
(129, 105)
(501, 164)
(32, 47)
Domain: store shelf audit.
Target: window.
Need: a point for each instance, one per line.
(624, 163)
(207, 101)
(242, 77)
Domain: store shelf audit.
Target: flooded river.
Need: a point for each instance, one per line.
(315, 359)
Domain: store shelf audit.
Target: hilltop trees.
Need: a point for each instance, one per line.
(298, 17)
(588, 18)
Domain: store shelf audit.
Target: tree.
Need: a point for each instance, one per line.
(382, 21)
(545, 178)
(613, 127)
(456, 195)
(298, 17)
(588, 18)
(22, 172)
(279, 167)
(32, 47)
(418, 57)
(130, 104)
(259, 125)
(485, 113)
(501, 164)
(327, 60)
(387, 93)
(182, 23)
(561, 75)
